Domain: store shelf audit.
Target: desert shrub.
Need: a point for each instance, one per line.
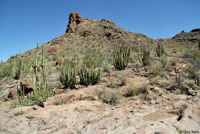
(163, 62)
(68, 75)
(192, 71)
(19, 112)
(121, 57)
(155, 69)
(131, 92)
(22, 99)
(123, 81)
(112, 84)
(106, 67)
(41, 95)
(90, 70)
(144, 90)
(160, 50)
(178, 47)
(6, 70)
(108, 97)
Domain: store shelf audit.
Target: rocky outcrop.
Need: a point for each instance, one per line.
(188, 37)
(74, 20)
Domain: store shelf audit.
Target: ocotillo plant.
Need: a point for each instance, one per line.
(160, 50)
(121, 57)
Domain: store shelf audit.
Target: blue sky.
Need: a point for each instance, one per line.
(23, 23)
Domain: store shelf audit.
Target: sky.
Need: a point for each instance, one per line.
(23, 23)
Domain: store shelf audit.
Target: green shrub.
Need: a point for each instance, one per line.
(112, 84)
(131, 92)
(163, 62)
(121, 57)
(6, 70)
(22, 100)
(108, 97)
(143, 90)
(160, 50)
(68, 75)
(41, 95)
(192, 71)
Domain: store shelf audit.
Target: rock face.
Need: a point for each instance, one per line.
(188, 37)
(85, 27)
(74, 20)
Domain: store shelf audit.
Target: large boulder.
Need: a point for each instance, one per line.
(26, 85)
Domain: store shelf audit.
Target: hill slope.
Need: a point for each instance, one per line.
(158, 91)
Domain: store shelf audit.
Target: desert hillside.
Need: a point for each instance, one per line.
(98, 78)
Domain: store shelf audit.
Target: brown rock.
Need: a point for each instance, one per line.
(12, 94)
(60, 61)
(172, 73)
(26, 85)
(55, 48)
(74, 20)
(86, 33)
(177, 70)
(108, 21)
(57, 92)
